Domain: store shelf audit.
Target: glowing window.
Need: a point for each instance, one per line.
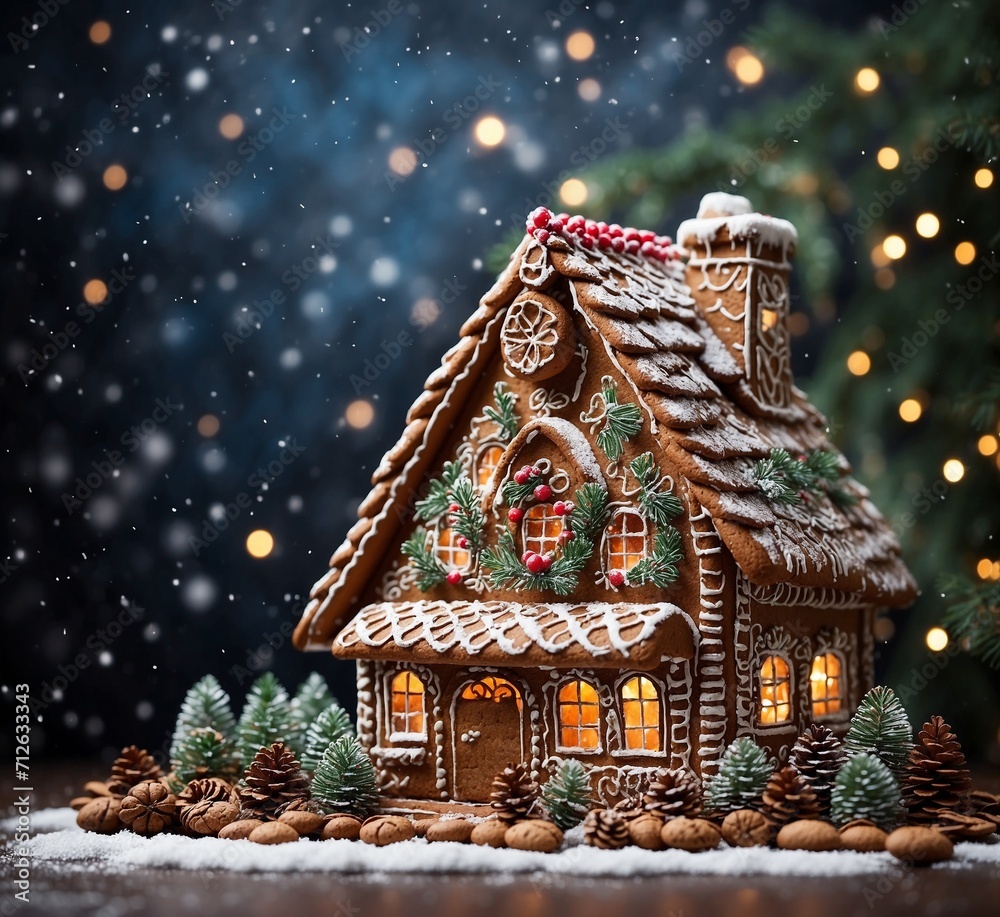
(490, 688)
(626, 540)
(579, 716)
(448, 551)
(641, 712)
(489, 458)
(826, 684)
(408, 712)
(775, 691)
(541, 529)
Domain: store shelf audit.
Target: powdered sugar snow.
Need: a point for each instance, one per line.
(67, 844)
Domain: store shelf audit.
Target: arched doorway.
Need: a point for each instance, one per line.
(488, 734)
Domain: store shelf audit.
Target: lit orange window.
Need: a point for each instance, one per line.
(641, 711)
(490, 688)
(408, 713)
(579, 716)
(826, 685)
(775, 691)
(447, 549)
(541, 529)
(489, 458)
(626, 540)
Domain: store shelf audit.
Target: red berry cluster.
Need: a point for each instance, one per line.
(534, 562)
(542, 223)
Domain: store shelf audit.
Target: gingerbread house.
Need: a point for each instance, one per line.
(613, 529)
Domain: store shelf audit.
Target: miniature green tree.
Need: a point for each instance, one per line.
(266, 717)
(344, 781)
(566, 796)
(312, 697)
(865, 788)
(332, 724)
(880, 728)
(742, 777)
(206, 706)
(204, 753)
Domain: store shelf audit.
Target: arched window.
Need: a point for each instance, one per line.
(626, 540)
(579, 716)
(491, 688)
(641, 714)
(408, 709)
(826, 684)
(775, 691)
(486, 464)
(447, 549)
(541, 528)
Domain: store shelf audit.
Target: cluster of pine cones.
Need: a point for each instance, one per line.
(139, 797)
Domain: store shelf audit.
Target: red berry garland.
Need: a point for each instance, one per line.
(454, 577)
(592, 234)
(515, 514)
(542, 493)
(616, 578)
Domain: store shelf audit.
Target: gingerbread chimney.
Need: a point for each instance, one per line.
(738, 274)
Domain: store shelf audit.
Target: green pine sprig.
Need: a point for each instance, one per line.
(438, 498)
(468, 520)
(659, 507)
(621, 421)
(508, 572)
(344, 782)
(880, 727)
(266, 717)
(973, 616)
(742, 777)
(311, 698)
(329, 726)
(515, 494)
(430, 571)
(590, 511)
(206, 706)
(567, 795)
(204, 752)
(661, 567)
(783, 479)
(504, 415)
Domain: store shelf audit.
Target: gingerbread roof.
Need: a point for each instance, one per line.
(630, 289)
(597, 635)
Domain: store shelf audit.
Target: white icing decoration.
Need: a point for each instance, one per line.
(723, 202)
(542, 402)
(761, 230)
(529, 337)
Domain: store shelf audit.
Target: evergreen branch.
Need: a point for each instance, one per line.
(621, 421)
(660, 568)
(973, 615)
(515, 494)
(503, 415)
(438, 498)
(783, 479)
(590, 511)
(508, 572)
(658, 507)
(983, 402)
(468, 521)
(430, 571)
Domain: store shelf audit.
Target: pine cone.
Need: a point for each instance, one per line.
(514, 793)
(133, 766)
(149, 808)
(963, 827)
(985, 805)
(273, 779)
(787, 797)
(936, 779)
(209, 789)
(672, 793)
(817, 755)
(605, 828)
(208, 817)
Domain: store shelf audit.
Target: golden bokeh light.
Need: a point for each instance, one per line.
(359, 414)
(888, 158)
(573, 192)
(114, 177)
(208, 425)
(983, 178)
(936, 639)
(580, 45)
(866, 80)
(953, 470)
(894, 246)
(95, 292)
(260, 543)
(490, 131)
(402, 160)
(988, 445)
(879, 257)
(928, 225)
(231, 126)
(859, 363)
(985, 568)
(885, 278)
(965, 253)
(748, 69)
(910, 410)
(99, 32)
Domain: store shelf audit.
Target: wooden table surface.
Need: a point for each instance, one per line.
(60, 891)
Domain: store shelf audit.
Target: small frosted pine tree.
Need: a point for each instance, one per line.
(344, 782)
(742, 777)
(866, 788)
(880, 728)
(312, 697)
(566, 796)
(266, 718)
(332, 724)
(206, 706)
(205, 753)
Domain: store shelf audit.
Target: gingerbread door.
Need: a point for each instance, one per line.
(488, 735)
